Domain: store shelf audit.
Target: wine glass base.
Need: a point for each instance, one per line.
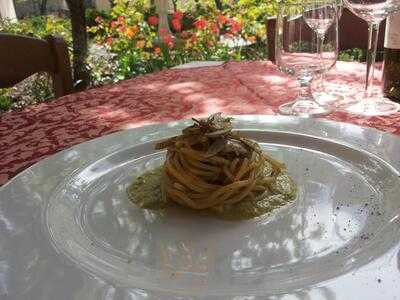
(304, 108)
(327, 99)
(370, 107)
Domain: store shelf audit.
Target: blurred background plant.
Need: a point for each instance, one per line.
(39, 26)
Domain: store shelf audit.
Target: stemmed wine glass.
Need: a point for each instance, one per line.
(373, 12)
(320, 19)
(300, 28)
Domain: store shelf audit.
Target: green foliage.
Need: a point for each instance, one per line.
(355, 54)
(5, 99)
(102, 65)
(34, 89)
(39, 26)
(91, 14)
(41, 89)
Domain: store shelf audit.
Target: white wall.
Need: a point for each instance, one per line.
(7, 10)
(102, 5)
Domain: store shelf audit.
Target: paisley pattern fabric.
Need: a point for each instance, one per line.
(36, 132)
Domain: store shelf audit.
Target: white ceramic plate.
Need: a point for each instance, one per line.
(68, 231)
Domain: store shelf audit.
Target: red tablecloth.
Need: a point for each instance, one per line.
(234, 88)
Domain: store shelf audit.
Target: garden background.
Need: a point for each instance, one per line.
(113, 40)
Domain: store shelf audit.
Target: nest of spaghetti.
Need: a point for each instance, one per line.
(210, 166)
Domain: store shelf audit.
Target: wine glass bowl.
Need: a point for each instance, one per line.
(373, 12)
(320, 18)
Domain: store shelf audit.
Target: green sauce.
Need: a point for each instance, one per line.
(145, 192)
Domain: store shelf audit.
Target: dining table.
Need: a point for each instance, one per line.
(70, 227)
(198, 90)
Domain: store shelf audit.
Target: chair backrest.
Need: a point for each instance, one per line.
(353, 33)
(22, 56)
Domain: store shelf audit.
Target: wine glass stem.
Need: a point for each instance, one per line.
(320, 42)
(305, 80)
(373, 32)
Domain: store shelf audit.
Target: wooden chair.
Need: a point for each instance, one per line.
(22, 56)
(353, 33)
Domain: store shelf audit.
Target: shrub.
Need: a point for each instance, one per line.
(5, 99)
(39, 26)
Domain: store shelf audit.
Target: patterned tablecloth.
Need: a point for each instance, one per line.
(234, 88)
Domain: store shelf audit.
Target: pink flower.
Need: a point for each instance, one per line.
(121, 29)
(178, 15)
(200, 24)
(176, 24)
(121, 19)
(98, 19)
(185, 35)
(114, 24)
(152, 20)
(228, 35)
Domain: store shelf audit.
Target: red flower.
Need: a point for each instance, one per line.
(98, 19)
(236, 27)
(168, 40)
(109, 41)
(163, 31)
(194, 38)
(176, 24)
(157, 51)
(178, 15)
(222, 19)
(200, 24)
(214, 28)
(152, 20)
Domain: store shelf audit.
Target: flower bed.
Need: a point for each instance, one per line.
(130, 33)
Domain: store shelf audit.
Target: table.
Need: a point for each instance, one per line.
(253, 87)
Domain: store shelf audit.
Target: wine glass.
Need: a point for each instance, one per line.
(320, 19)
(300, 28)
(373, 12)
